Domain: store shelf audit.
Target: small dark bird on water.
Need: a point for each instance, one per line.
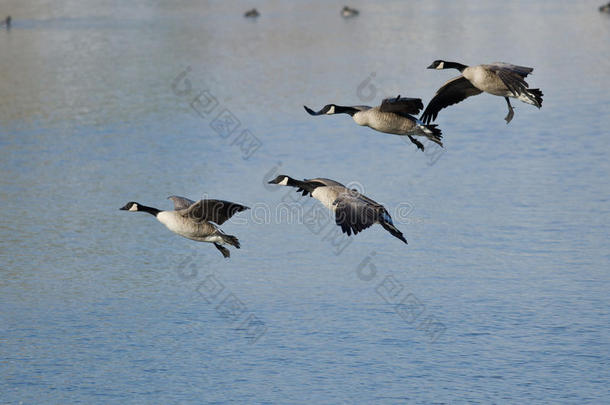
(347, 12)
(252, 13)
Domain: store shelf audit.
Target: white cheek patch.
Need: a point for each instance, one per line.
(284, 182)
(331, 110)
(441, 65)
(134, 207)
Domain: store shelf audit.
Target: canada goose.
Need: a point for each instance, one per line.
(354, 212)
(605, 8)
(7, 22)
(196, 220)
(347, 12)
(499, 79)
(252, 13)
(393, 116)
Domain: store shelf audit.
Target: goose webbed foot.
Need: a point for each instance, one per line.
(225, 252)
(417, 143)
(511, 111)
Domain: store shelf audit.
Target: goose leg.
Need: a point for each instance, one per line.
(225, 252)
(511, 111)
(416, 142)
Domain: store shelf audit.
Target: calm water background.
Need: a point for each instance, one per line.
(508, 228)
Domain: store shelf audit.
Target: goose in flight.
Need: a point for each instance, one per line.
(354, 212)
(196, 220)
(500, 79)
(393, 116)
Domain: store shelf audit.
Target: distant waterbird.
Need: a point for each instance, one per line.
(347, 12)
(393, 116)
(197, 221)
(500, 79)
(252, 13)
(353, 211)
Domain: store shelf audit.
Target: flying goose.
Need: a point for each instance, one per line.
(500, 79)
(354, 212)
(196, 220)
(393, 116)
(605, 8)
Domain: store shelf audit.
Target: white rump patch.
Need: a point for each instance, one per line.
(525, 98)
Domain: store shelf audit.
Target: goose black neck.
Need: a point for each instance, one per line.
(306, 187)
(298, 183)
(339, 109)
(150, 210)
(293, 183)
(454, 65)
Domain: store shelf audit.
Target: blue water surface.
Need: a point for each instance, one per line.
(501, 295)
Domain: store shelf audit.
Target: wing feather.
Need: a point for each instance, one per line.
(513, 81)
(522, 71)
(401, 105)
(452, 92)
(180, 203)
(354, 213)
(217, 211)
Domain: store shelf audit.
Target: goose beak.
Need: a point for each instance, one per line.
(277, 180)
(431, 66)
(312, 112)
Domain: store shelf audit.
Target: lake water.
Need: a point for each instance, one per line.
(502, 294)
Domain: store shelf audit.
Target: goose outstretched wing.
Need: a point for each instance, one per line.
(401, 105)
(354, 213)
(217, 211)
(522, 71)
(512, 76)
(452, 92)
(180, 203)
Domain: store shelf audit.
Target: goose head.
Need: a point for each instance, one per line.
(131, 206)
(437, 64)
(282, 180)
(328, 109)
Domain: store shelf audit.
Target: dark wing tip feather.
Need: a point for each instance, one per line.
(218, 211)
(394, 231)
